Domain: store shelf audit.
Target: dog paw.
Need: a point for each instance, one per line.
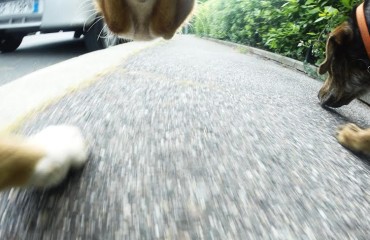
(65, 148)
(346, 135)
(354, 138)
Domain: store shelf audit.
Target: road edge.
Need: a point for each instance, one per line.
(26, 96)
(286, 61)
(307, 69)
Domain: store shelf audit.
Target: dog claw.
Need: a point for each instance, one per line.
(349, 127)
(354, 138)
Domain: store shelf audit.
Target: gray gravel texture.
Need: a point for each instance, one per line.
(193, 140)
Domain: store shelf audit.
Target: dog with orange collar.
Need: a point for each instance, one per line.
(348, 66)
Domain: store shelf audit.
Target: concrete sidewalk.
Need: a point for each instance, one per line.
(33, 92)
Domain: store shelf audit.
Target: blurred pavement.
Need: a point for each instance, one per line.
(194, 140)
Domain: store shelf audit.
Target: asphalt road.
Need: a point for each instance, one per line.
(37, 52)
(194, 140)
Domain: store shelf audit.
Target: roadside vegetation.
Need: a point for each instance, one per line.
(292, 28)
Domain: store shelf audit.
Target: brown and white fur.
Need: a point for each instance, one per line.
(43, 160)
(348, 77)
(145, 19)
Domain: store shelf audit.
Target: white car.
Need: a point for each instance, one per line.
(19, 18)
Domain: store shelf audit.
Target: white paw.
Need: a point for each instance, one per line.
(65, 148)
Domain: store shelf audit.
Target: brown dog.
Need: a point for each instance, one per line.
(348, 65)
(44, 159)
(145, 19)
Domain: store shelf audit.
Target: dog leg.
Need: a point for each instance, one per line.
(42, 160)
(354, 138)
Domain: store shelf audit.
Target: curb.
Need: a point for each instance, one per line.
(290, 62)
(32, 93)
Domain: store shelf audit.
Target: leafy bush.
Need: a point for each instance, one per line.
(288, 27)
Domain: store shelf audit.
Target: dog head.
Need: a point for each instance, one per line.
(346, 63)
(145, 19)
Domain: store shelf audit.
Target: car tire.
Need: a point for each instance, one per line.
(98, 36)
(9, 43)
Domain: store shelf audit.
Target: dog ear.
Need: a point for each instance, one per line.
(341, 35)
(330, 48)
(184, 8)
(165, 23)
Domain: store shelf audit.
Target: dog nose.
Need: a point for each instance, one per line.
(329, 100)
(323, 100)
(326, 100)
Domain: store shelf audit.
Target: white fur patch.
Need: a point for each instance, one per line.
(142, 10)
(65, 148)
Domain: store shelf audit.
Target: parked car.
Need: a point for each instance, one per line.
(19, 18)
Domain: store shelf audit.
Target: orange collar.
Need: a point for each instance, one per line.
(362, 25)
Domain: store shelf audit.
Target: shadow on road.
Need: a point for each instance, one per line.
(336, 114)
(363, 157)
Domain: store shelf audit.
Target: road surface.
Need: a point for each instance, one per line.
(37, 52)
(193, 140)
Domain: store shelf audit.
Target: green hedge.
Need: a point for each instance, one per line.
(287, 27)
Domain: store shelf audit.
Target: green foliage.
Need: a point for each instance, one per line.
(287, 27)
